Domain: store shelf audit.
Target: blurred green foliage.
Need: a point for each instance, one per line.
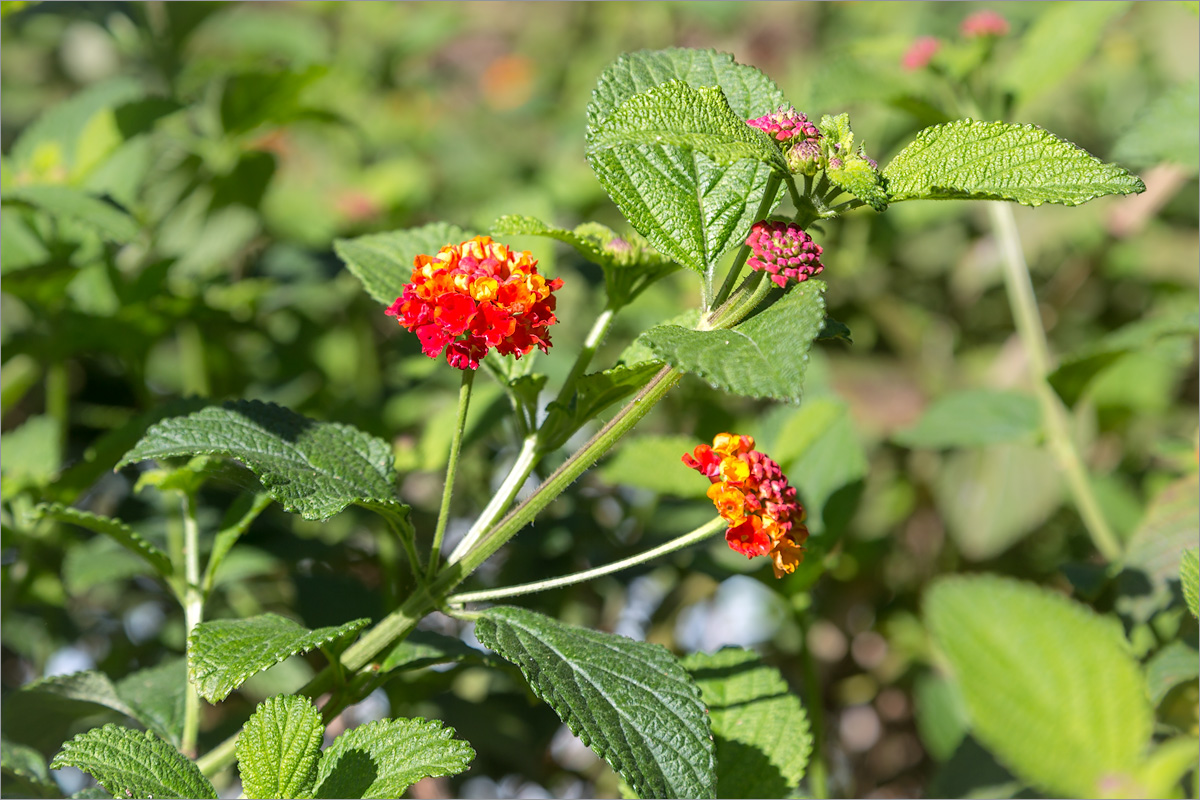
(174, 177)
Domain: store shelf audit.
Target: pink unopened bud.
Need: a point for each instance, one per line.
(785, 124)
(920, 53)
(784, 250)
(984, 23)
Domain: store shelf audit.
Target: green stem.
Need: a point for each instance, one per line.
(464, 400)
(520, 471)
(193, 612)
(764, 210)
(688, 539)
(1054, 415)
(225, 540)
(594, 338)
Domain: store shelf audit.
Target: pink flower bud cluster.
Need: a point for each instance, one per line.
(785, 125)
(784, 250)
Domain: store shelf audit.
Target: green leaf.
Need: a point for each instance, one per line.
(126, 536)
(1155, 551)
(132, 764)
(974, 417)
(314, 469)
(765, 356)
(750, 93)
(426, 648)
(97, 562)
(1189, 578)
(1165, 767)
(66, 203)
(279, 747)
(674, 113)
(384, 758)
(222, 654)
(31, 454)
(253, 98)
(939, 714)
(384, 261)
(593, 393)
(156, 695)
(631, 702)
(1059, 42)
(654, 463)
(761, 731)
(1166, 131)
(1050, 687)
(966, 159)
(51, 143)
(828, 472)
(22, 762)
(1169, 667)
(89, 686)
(1072, 378)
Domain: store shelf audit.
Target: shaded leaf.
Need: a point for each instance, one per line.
(126, 536)
(974, 417)
(1189, 577)
(761, 731)
(631, 702)
(967, 159)
(593, 393)
(1154, 553)
(383, 758)
(89, 686)
(1050, 687)
(312, 468)
(156, 695)
(384, 261)
(129, 763)
(251, 99)
(1169, 667)
(426, 648)
(279, 747)
(764, 356)
(24, 762)
(222, 654)
(1167, 131)
(67, 203)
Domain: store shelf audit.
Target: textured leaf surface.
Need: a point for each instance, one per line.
(130, 763)
(384, 758)
(631, 702)
(1050, 687)
(764, 356)
(1001, 161)
(279, 747)
(222, 654)
(90, 686)
(761, 731)
(67, 203)
(1189, 577)
(384, 261)
(115, 528)
(593, 394)
(156, 694)
(314, 469)
(1157, 546)
(974, 417)
(654, 463)
(749, 91)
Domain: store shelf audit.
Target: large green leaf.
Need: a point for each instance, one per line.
(156, 695)
(129, 763)
(312, 468)
(1050, 687)
(765, 356)
(222, 654)
(383, 758)
(67, 203)
(749, 91)
(974, 417)
(279, 747)
(631, 702)
(761, 731)
(1001, 161)
(115, 528)
(384, 261)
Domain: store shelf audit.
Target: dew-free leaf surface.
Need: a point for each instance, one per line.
(278, 749)
(383, 758)
(131, 763)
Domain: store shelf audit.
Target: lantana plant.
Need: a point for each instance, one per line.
(716, 174)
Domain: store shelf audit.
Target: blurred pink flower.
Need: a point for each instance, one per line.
(984, 23)
(920, 52)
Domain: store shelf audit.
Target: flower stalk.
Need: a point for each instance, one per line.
(460, 422)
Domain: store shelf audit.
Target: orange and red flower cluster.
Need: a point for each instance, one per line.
(474, 296)
(753, 496)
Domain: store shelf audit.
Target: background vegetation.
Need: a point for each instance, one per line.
(243, 139)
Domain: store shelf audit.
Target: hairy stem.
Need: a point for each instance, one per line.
(594, 338)
(1054, 415)
(679, 543)
(764, 210)
(460, 422)
(193, 614)
(520, 471)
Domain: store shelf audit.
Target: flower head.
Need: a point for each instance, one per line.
(752, 495)
(984, 23)
(785, 125)
(920, 53)
(474, 296)
(784, 250)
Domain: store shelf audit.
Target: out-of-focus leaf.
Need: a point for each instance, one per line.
(384, 261)
(1050, 687)
(760, 729)
(222, 654)
(279, 747)
(84, 687)
(974, 417)
(129, 763)
(631, 702)
(32, 454)
(939, 714)
(426, 648)
(50, 143)
(1167, 131)
(251, 99)
(126, 536)
(20, 247)
(97, 562)
(383, 758)
(1154, 554)
(156, 694)
(25, 767)
(654, 463)
(593, 394)
(1001, 161)
(66, 203)
(827, 472)
(1169, 667)
(1189, 577)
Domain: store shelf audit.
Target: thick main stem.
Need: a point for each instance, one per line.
(460, 422)
(193, 614)
(1054, 415)
(679, 543)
